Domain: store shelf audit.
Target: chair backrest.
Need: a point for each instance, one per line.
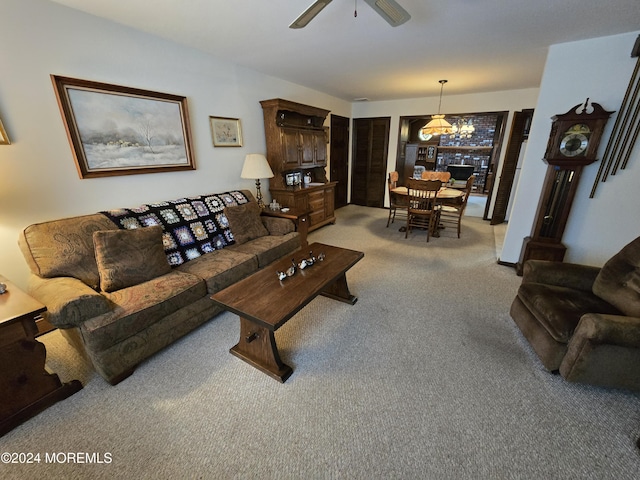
(423, 193)
(393, 179)
(467, 192)
(417, 171)
(444, 177)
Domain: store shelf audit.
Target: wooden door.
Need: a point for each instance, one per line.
(519, 131)
(339, 167)
(370, 150)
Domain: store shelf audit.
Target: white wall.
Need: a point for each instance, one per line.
(510, 100)
(597, 228)
(38, 179)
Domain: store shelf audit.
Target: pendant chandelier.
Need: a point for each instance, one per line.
(464, 128)
(438, 125)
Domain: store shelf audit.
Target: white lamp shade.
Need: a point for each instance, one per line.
(437, 126)
(256, 167)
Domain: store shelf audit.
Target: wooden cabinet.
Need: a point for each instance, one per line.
(296, 139)
(318, 200)
(297, 142)
(302, 148)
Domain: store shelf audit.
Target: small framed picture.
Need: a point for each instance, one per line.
(4, 139)
(226, 132)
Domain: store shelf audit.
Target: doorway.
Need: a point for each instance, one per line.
(475, 143)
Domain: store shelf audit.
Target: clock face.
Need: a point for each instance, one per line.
(575, 140)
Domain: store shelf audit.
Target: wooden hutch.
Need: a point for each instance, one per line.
(297, 146)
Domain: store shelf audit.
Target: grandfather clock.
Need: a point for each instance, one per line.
(573, 144)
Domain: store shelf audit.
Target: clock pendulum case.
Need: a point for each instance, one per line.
(573, 144)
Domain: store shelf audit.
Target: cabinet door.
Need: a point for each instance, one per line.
(320, 148)
(308, 148)
(290, 148)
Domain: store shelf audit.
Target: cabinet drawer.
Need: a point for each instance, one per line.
(316, 217)
(316, 205)
(316, 201)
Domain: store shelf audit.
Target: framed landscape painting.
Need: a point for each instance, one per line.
(115, 130)
(226, 132)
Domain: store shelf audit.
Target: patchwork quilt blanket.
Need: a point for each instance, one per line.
(191, 226)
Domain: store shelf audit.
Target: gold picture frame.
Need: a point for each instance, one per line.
(116, 130)
(226, 132)
(4, 138)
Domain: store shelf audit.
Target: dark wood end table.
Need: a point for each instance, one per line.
(265, 303)
(26, 388)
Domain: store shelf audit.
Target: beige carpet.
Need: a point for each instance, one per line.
(425, 377)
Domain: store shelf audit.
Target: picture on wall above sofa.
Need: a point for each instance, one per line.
(116, 130)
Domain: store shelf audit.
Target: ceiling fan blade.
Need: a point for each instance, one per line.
(309, 14)
(393, 13)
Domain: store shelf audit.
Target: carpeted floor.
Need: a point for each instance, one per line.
(425, 377)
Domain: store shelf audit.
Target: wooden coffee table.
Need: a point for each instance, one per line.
(265, 303)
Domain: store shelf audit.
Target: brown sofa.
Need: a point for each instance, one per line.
(584, 321)
(121, 293)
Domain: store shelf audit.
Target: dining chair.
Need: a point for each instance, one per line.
(452, 210)
(397, 203)
(424, 206)
(444, 177)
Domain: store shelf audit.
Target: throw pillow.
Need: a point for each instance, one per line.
(245, 222)
(129, 257)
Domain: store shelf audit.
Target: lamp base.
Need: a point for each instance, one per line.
(259, 194)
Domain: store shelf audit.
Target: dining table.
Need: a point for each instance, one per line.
(445, 193)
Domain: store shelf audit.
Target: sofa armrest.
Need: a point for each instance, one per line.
(609, 329)
(69, 301)
(605, 351)
(571, 275)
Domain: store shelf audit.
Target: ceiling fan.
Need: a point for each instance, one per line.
(393, 13)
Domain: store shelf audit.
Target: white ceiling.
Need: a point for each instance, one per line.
(478, 45)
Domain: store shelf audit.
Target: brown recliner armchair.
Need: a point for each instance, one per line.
(584, 321)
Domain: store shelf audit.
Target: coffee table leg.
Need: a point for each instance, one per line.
(339, 290)
(257, 347)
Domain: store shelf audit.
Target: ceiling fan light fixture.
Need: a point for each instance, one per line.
(309, 14)
(393, 13)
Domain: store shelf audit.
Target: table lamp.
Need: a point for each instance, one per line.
(256, 167)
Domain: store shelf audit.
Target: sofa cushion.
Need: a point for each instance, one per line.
(221, 268)
(140, 306)
(558, 309)
(64, 248)
(619, 280)
(129, 257)
(245, 222)
(269, 248)
(278, 226)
